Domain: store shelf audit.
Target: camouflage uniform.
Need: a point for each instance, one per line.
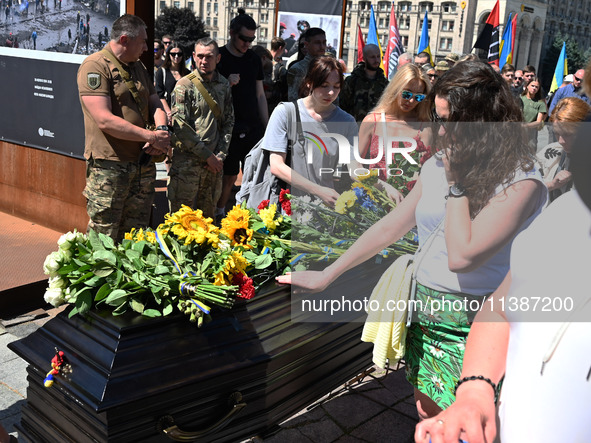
(198, 135)
(295, 76)
(119, 192)
(360, 94)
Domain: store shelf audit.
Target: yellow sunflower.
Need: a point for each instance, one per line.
(235, 227)
(236, 263)
(346, 200)
(221, 279)
(192, 226)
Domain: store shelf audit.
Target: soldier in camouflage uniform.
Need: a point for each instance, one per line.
(120, 190)
(201, 139)
(364, 87)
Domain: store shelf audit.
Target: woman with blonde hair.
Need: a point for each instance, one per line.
(401, 111)
(554, 159)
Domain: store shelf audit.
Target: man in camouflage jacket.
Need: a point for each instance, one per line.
(200, 140)
(364, 87)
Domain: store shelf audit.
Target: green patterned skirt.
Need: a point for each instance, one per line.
(436, 340)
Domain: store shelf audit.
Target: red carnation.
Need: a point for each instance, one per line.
(245, 286)
(286, 206)
(410, 185)
(263, 205)
(284, 196)
(426, 156)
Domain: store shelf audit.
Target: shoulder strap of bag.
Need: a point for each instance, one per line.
(142, 107)
(215, 108)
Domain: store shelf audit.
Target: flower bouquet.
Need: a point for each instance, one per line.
(186, 264)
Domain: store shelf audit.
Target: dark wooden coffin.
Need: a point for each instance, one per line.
(140, 379)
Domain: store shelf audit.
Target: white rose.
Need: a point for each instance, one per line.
(54, 296)
(64, 242)
(80, 237)
(67, 294)
(56, 282)
(65, 255)
(52, 263)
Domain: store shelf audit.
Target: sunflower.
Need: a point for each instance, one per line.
(138, 235)
(236, 263)
(192, 226)
(346, 200)
(235, 227)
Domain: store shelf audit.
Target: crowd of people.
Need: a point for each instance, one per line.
(476, 204)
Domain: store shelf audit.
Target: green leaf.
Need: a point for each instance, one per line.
(256, 226)
(73, 312)
(263, 261)
(102, 293)
(117, 297)
(106, 256)
(279, 252)
(132, 254)
(94, 240)
(137, 306)
(161, 270)
(121, 309)
(250, 256)
(152, 259)
(152, 313)
(84, 301)
(95, 281)
(139, 246)
(168, 308)
(83, 278)
(103, 269)
(107, 241)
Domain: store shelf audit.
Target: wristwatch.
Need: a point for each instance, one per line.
(163, 128)
(456, 190)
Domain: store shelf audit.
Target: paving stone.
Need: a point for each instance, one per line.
(388, 427)
(351, 410)
(9, 398)
(304, 416)
(396, 383)
(13, 374)
(408, 407)
(325, 430)
(288, 436)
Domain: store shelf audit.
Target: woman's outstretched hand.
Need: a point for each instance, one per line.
(471, 418)
(305, 281)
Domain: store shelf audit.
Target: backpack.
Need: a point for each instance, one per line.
(258, 183)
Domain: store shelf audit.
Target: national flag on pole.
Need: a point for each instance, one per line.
(372, 36)
(561, 69)
(360, 44)
(394, 48)
(424, 41)
(508, 42)
(488, 39)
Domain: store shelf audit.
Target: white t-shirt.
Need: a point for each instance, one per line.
(324, 150)
(550, 259)
(433, 270)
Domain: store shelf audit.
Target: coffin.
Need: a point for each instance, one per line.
(157, 380)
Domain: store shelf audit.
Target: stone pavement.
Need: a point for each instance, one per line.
(378, 408)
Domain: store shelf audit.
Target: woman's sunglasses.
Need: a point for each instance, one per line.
(176, 54)
(407, 95)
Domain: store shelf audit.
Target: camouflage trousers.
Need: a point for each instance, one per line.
(119, 196)
(192, 184)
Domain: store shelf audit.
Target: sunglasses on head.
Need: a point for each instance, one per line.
(176, 54)
(407, 95)
(245, 38)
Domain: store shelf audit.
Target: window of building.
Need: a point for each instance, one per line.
(363, 21)
(190, 6)
(264, 32)
(365, 5)
(208, 21)
(426, 7)
(215, 22)
(214, 35)
(347, 37)
(162, 5)
(404, 6)
(264, 3)
(383, 23)
(405, 23)
(384, 6)
(404, 39)
(449, 7)
(348, 21)
(177, 4)
(447, 25)
(445, 44)
(215, 8)
(249, 3)
(264, 18)
(208, 8)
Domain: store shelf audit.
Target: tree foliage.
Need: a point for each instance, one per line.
(182, 24)
(576, 58)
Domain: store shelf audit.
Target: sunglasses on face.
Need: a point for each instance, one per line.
(166, 43)
(433, 75)
(245, 38)
(438, 119)
(519, 78)
(407, 95)
(176, 54)
(578, 79)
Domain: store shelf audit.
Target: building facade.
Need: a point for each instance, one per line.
(453, 25)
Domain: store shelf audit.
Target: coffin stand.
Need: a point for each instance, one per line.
(157, 380)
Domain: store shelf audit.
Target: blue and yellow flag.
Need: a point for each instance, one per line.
(561, 69)
(424, 41)
(508, 41)
(372, 36)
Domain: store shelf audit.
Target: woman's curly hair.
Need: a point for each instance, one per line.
(484, 130)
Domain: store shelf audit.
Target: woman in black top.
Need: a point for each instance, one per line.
(172, 70)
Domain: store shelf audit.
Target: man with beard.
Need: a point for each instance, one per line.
(572, 90)
(365, 85)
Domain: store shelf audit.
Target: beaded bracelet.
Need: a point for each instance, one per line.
(476, 377)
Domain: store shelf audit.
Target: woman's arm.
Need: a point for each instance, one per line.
(538, 123)
(470, 243)
(282, 171)
(473, 416)
(381, 235)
